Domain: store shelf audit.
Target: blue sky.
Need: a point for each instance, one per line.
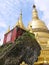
(10, 11)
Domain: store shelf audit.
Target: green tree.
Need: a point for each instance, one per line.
(25, 48)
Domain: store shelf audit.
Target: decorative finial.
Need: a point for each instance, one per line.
(8, 29)
(34, 6)
(23, 63)
(20, 15)
(21, 12)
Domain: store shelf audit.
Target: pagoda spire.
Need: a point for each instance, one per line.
(34, 13)
(20, 21)
(20, 18)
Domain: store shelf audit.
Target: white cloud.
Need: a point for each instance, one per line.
(1, 38)
(1, 42)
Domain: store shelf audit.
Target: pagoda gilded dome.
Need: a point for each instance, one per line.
(36, 22)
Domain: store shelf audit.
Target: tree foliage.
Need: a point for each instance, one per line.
(26, 48)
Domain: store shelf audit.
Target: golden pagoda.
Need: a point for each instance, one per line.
(42, 36)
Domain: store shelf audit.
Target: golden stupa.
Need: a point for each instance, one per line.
(42, 36)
